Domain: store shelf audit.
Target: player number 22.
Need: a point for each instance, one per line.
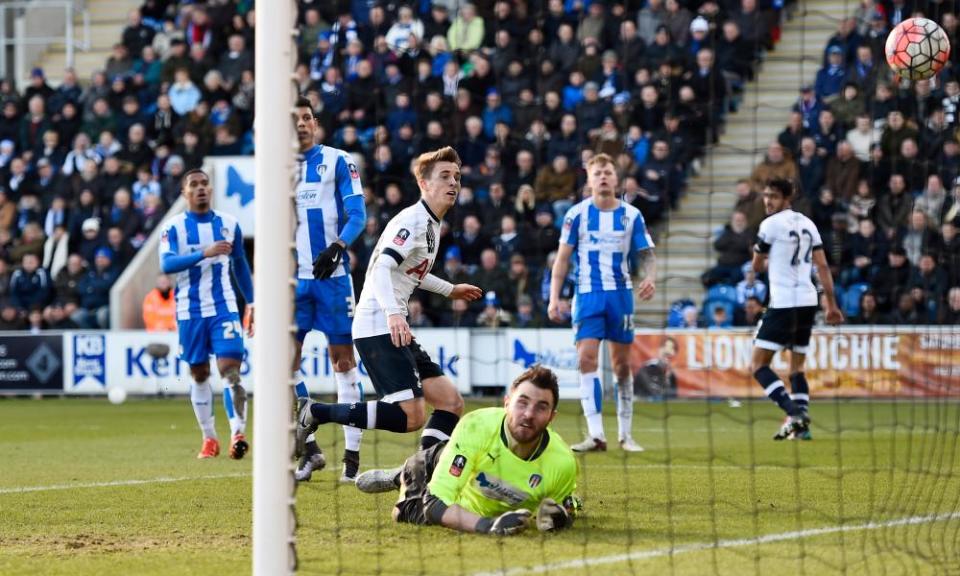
(796, 253)
(232, 329)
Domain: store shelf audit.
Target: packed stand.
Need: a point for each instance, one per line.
(525, 91)
(876, 161)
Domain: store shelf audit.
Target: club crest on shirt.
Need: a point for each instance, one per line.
(321, 169)
(534, 480)
(227, 234)
(354, 173)
(431, 238)
(458, 464)
(625, 221)
(401, 237)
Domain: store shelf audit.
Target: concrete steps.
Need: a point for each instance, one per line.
(685, 242)
(107, 20)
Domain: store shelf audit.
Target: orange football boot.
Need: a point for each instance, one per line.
(210, 449)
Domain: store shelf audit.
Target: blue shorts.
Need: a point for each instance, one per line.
(220, 335)
(604, 315)
(327, 306)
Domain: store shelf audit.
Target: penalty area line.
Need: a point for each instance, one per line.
(721, 544)
(115, 483)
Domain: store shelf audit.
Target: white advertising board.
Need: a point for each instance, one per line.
(97, 361)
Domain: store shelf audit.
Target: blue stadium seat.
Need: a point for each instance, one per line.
(709, 305)
(722, 292)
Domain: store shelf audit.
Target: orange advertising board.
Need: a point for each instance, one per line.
(866, 362)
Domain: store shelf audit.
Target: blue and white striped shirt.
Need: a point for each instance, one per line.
(603, 242)
(203, 287)
(329, 204)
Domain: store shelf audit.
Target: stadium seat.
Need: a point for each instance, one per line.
(722, 292)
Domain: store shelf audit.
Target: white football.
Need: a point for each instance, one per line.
(117, 395)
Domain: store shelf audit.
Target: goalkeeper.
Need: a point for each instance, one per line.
(500, 467)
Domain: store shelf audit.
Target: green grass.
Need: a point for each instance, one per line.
(710, 473)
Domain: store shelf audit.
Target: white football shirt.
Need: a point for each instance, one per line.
(411, 238)
(789, 239)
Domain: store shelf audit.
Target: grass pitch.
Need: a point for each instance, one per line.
(87, 488)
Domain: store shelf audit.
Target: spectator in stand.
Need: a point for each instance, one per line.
(415, 316)
(750, 203)
(734, 247)
(932, 200)
(894, 207)
(861, 137)
(869, 311)
(471, 242)
(467, 30)
(811, 170)
(843, 172)
(10, 318)
(906, 313)
(493, 278)
(555, 184)
(493, 315)
(750, 314)
(30, 285)
(932, 281)
(775, 165)
(950, 313)
(94, 290)
(950, 252)
(893, 278)
(160, 307)
(750, 286)
(832, 77)
(918, 238)
(867, 249)
(65, 283)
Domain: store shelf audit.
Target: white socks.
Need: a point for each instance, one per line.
(625, 407)
(201, 396)
(238, 422)
(591, 398)
(349, 392)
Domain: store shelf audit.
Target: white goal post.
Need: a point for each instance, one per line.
(273, 489)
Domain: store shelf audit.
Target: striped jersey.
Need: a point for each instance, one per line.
(603, 242)
(327, 177)
(203, 290)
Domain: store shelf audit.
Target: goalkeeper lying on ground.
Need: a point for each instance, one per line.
(500, 467)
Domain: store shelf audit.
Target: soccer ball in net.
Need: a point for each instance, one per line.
(917, 48)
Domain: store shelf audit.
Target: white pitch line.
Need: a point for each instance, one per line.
(160, 480)
(744, 468)
(700, 546)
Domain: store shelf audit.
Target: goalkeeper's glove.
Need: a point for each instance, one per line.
(328, 261)
(552, 516)
(506, 524)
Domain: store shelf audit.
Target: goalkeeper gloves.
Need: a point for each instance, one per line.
(328, 260)
(506, 524)
(552, 516)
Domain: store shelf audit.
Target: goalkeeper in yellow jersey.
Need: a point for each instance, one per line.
(501, 469)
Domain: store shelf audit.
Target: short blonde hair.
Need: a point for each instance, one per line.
(601, 159)
(423, 165)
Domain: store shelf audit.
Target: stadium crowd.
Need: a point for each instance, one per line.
(877, 165)
(526, 91)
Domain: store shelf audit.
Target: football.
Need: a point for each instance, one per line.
(917, 48)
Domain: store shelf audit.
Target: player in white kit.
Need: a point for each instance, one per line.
(789, 248)
(404, 376)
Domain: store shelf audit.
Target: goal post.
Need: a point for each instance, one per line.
(273, 489)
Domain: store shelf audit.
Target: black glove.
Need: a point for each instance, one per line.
(328, 260)
(552, 516)
(506, 524)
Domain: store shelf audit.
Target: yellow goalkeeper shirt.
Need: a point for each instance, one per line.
(478, 472)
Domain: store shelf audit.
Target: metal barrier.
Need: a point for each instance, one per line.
(41, 34)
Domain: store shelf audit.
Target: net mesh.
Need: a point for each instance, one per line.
(875, 492)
